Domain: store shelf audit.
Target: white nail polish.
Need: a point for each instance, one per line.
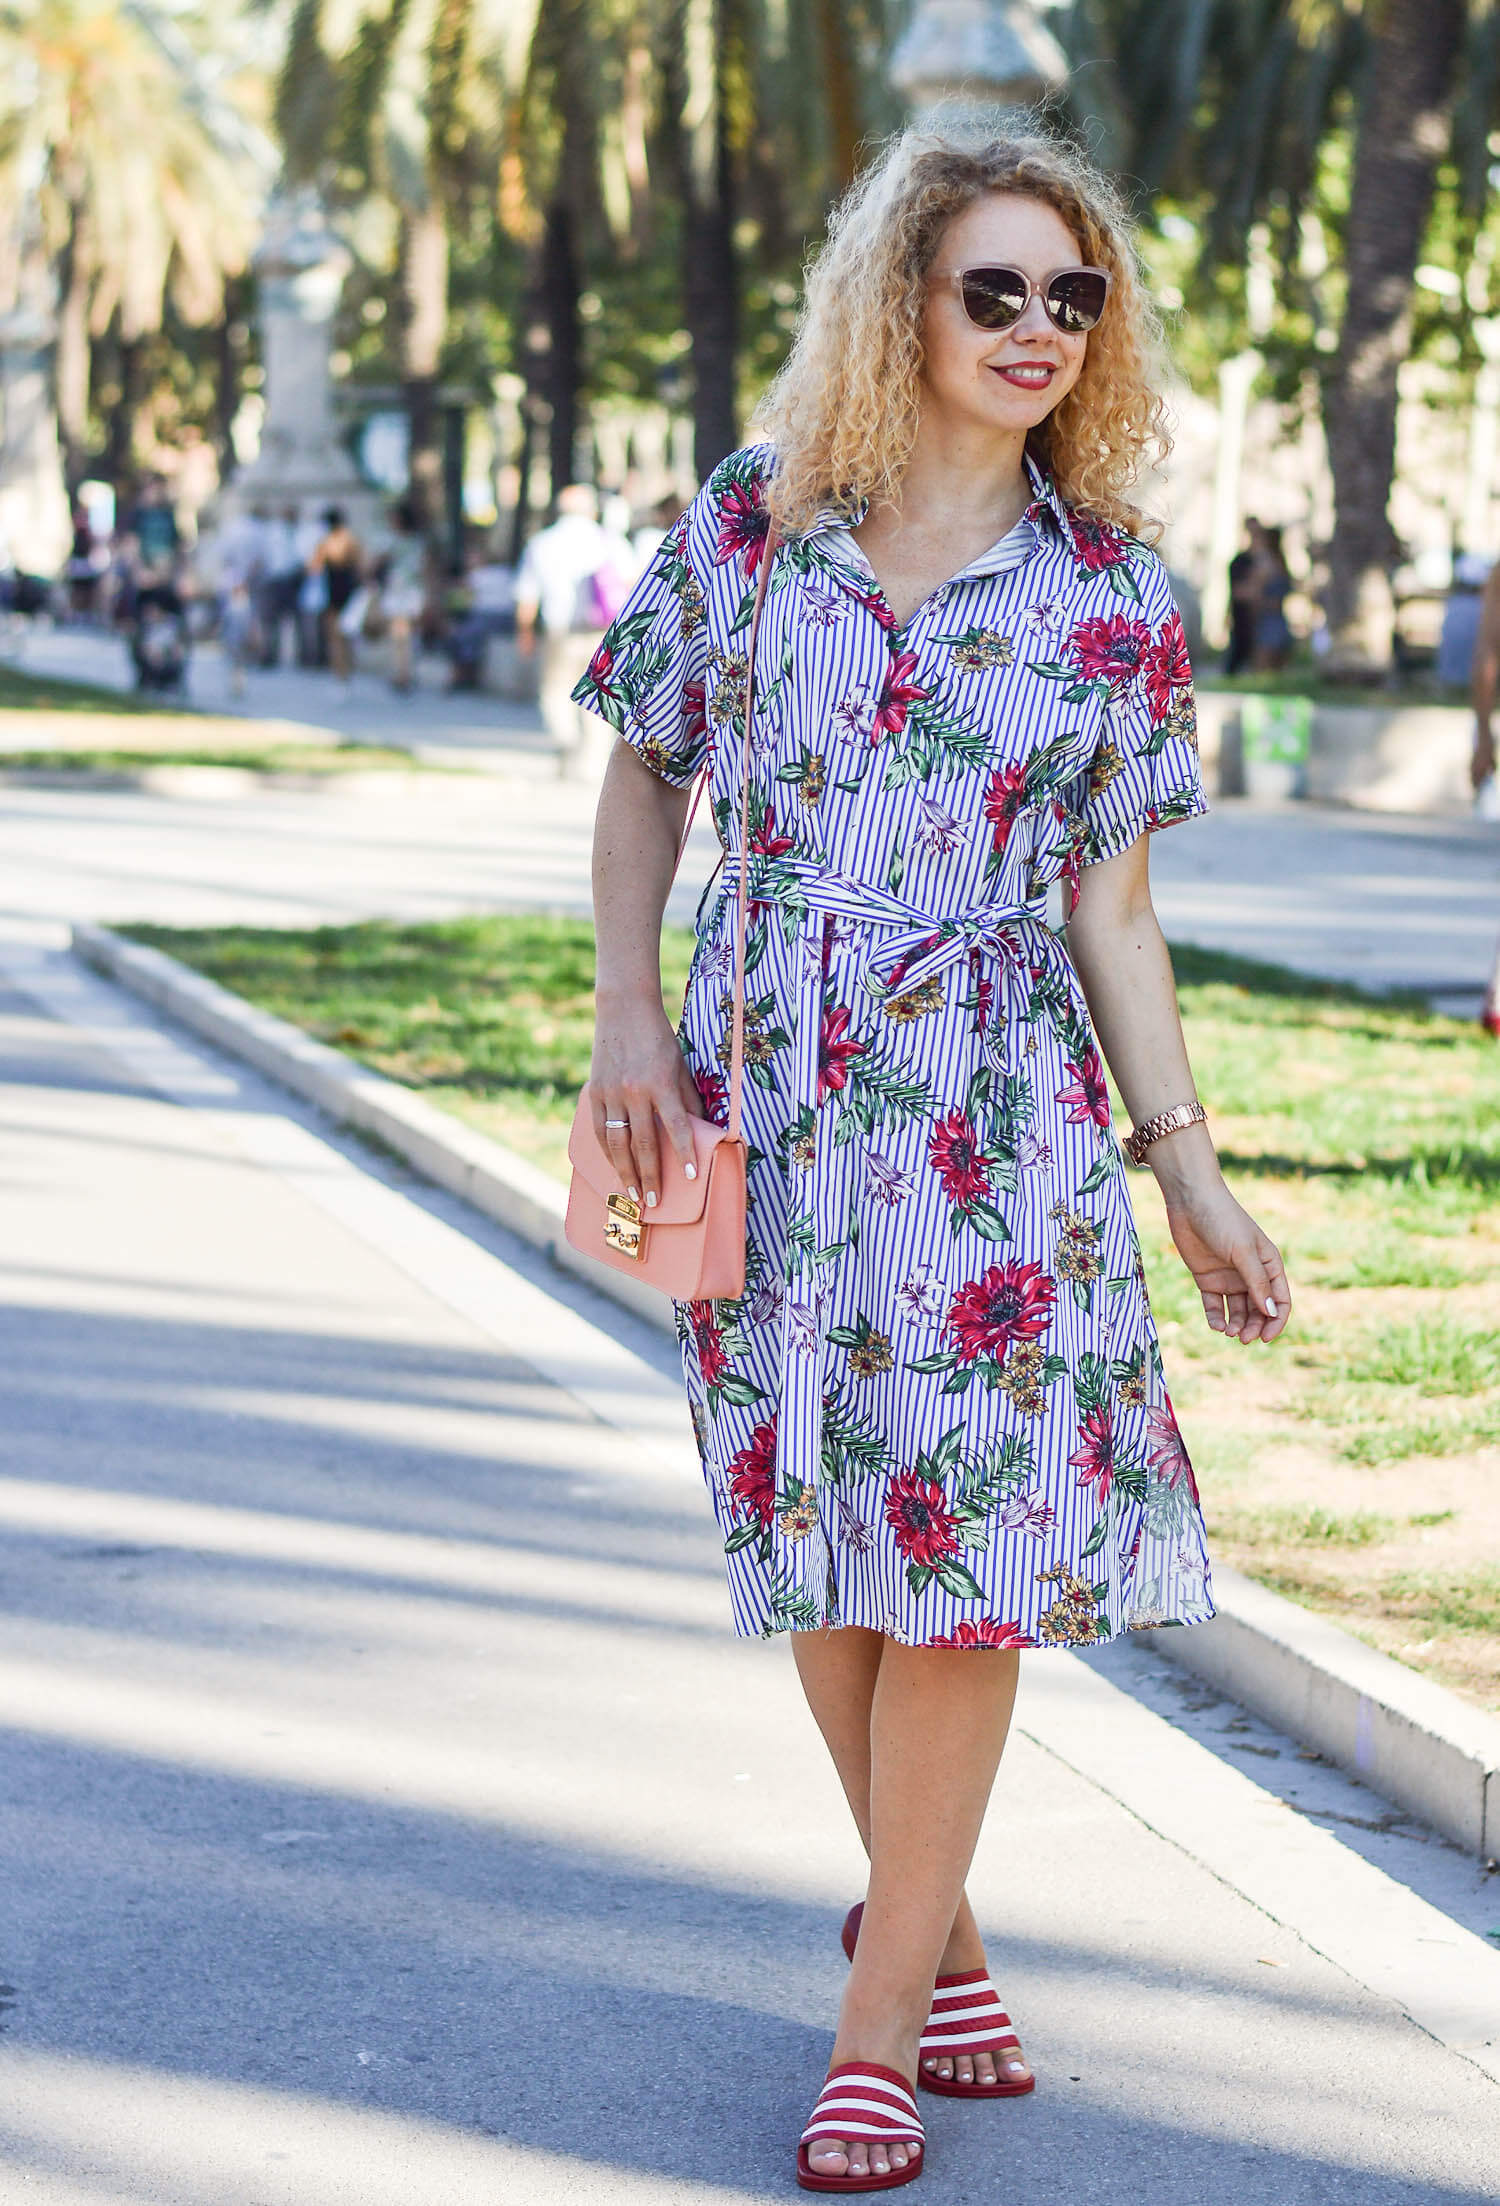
(651, 1200)
(634, 1193)
(690, 1171)
(1270, 1307)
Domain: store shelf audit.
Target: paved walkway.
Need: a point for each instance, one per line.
(366, 709)
(389, 1818)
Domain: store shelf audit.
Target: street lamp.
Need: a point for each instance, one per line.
(982, 53)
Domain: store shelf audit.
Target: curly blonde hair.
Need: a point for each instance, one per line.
(842, 412)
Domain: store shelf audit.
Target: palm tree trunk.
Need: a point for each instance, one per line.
(1403, 134)
(73, 349)
(120, 415)
(561, 365)
(229, 370)
(836, 37)
(424, 287)
(695, 67)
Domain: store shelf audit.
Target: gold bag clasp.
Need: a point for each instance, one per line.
(623, 1230)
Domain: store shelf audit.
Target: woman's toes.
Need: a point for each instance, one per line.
(859, 2160)
(964, 2070)
(984, 2069)
(945, 2067)
(1015, 2068)
(829, 2157)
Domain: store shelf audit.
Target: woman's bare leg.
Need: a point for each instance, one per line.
(401, 651)
(936, 1728)
(838, 1670)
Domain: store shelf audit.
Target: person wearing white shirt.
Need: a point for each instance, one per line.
(567, 573)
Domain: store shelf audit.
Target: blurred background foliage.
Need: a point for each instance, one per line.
(614, 198)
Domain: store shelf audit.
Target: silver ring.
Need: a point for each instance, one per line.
(617, 1122)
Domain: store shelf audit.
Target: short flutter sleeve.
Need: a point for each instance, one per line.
(1145, 772)
(648, 678)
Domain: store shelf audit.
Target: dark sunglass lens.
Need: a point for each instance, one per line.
(1076, 301)
(994, 297)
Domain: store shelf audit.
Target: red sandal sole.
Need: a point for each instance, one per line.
(810, 2180)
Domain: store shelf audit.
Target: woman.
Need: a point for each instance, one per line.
(1273, 586)
(403, 592)
(339, 561)
(935, 1429)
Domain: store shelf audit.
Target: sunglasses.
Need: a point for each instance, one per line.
(996, 298)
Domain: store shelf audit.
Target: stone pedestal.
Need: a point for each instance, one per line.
(300, 268)
(34, 517)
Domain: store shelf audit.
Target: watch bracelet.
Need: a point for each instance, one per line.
(1156, 1128)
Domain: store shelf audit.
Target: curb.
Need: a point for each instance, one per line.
(1409, 1740)
(1412, 1741)
(493, 1179)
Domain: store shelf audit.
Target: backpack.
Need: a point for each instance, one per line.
(603, 596)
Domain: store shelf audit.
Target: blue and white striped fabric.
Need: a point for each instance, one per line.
(939, 1409)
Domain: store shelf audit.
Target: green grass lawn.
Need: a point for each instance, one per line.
(1306, 679)
(270, 758)
(1356, 1466)
(54, 727)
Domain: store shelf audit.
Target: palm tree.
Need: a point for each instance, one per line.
(555, 118)
(1405, 129)
(706, 97)
(394, 115)
(1229, 105)
(145, 173)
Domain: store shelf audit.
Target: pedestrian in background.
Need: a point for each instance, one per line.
(281, 583)
(936, 1427)
(1244, 595)
(403, 589)
(339, 561)
(488, 609)
(1461, 616)
(1272, 587)
(568, 578)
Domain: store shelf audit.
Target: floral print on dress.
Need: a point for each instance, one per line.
(938, 1409)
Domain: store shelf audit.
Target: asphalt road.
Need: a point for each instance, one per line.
(389, 1816)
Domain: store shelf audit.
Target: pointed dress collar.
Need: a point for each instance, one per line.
(1046, 511)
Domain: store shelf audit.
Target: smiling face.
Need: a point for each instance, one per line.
(1008, 379)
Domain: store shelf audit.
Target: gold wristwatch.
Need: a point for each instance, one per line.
(1175, 1121)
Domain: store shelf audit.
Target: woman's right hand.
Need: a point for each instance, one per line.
(639, 1074)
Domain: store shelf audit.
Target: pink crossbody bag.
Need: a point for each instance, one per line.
(692, 1244)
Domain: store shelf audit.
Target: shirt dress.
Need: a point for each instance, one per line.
(938, 1410)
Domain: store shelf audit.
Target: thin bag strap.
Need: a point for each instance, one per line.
(741, 902)
(737, 1031)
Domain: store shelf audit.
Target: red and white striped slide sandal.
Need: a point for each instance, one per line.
(863, 2101)
(966, 2017)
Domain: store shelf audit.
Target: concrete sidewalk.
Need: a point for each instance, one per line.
(366, 709)
(389, 1815)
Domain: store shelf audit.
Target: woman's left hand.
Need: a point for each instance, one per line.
(1238, 1269)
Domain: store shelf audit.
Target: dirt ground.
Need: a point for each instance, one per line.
(1405, 1551)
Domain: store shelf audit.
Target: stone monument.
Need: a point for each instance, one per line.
(35, 525)
(300, 266)
(982, 53)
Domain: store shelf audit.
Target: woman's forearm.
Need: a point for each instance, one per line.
(1123, 963)
(636, 832)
